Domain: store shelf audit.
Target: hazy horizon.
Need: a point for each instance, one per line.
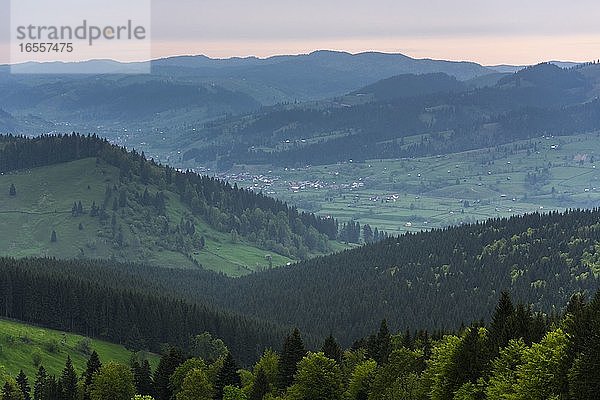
(516, 33)
(301, 53)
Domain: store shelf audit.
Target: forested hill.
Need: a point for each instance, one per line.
(261, 220)
(410, 116)
(409, 85)
(430, 280)
(50, 293)
(433, 279)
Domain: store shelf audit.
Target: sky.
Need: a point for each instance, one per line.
(508, 32)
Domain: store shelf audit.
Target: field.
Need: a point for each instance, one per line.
(21, 343)
(542, 174)
(43, 203)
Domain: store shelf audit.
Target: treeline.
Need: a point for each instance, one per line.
(36, 291)
(265, 221)
(521, 355)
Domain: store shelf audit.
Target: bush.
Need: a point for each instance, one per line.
(10, 339)
(52, 346)
(84, 346)
(25, 338)
(36, 357)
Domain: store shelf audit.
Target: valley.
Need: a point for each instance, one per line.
(402, 195)
(118, 206)
(230, 214)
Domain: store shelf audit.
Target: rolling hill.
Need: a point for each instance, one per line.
(183, 93)
(403, 86)
(430, 280)
(80, 197)
(539, 100)
(44, 201)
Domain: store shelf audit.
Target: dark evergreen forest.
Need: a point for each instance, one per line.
(433, 280)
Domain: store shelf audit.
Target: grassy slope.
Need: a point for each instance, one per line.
(428, 193)
(43, 203)
(20, 341)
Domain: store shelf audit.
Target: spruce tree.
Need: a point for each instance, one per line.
(53, 238)
(471, 358)
(93, 366)
(384, 345)
(167, 365)
(502, 325)
(53, 389)
(68, 381)
(260, 387)
(10, 391)
(583, 324)
(142, 375)
(24, 385)
(332, 349)
(293, 352)
(40, 387)
(13, 190)
(227, 376)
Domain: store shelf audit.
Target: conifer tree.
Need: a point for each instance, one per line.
(53, 237)
(293, 352)
(583, 324)
(384, 345)
(167, 365)
(143, 379)
(260, 387)
(68, 381)
(53, 389)
(332, 349)
(11, 391)
(471, 358)
(227, 376)
(501, 327)
(13, 190)
(93, 366)
(40, 387)
(24, 385)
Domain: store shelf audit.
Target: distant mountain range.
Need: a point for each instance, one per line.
(168, 110)
(188, 90)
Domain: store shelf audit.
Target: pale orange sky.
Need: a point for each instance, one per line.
(491, 50)
(507, 32)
